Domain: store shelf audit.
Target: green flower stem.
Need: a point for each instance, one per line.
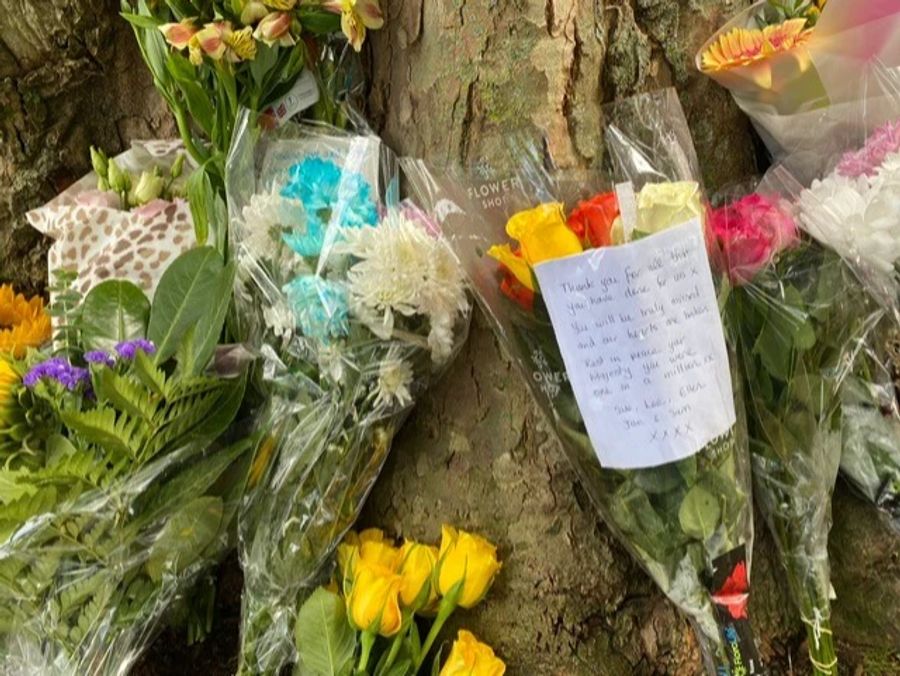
(398, 641)
(822, 654)
(448, 605)
(368, 642)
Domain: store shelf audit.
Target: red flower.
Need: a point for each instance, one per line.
(513, 289)
(592, 220)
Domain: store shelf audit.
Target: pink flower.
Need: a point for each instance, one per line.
(749, 234)
(152, 208)
(865, 162)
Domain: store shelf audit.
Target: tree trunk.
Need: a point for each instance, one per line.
(447, 75)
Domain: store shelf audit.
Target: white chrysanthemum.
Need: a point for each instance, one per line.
(403, 270)
(395, 376)
(279, 319)
(265, 219)
(331, 362)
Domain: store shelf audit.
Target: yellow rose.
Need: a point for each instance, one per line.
(661, 206)
(468, 558)
(374, 600)
(543, 234)
(514, 263)
(470, 657)
(370, 545)
(416, 569)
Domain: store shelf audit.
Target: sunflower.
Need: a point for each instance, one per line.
(9, 378)
(24, 323)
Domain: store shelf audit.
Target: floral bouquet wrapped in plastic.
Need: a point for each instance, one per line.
(794, 65)
(603, 295)
(800, 317)
(354, 304)
(119, 482)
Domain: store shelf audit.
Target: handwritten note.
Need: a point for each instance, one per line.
(640, 334)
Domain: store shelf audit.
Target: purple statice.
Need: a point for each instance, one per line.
(100, 358)
(129, 349)
(59, 370)
(866, 161)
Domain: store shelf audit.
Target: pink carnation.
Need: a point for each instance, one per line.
(865, 162)
(749, 234)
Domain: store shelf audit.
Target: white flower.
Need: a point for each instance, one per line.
(279, 319)
(331, 362)
(265, 219)
(858, 218)
(402, 270)
(395, 376)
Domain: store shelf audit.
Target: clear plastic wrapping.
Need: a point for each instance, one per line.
(688, 522)
(354, 305)
(801, 319)
(799, 97)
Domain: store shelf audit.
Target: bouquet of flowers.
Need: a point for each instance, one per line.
(800, 317)
(120, 476)
(794, 65)
(372, 624)
(211, 59)
(605, 300)
(354, 305)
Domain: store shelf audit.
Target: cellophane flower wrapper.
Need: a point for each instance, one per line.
(119, 499)
(688, 522)
(801, 319)
(798, 98)
(354, 305)
(853, 211)
(93, 235)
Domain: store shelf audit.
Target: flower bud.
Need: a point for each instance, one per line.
(149, 186)
(100, 162)
(470, 657)
(275, 28)
(373, 603)
(177, 166)
(469, 559)
(417, 568)
(118, 179)
(252, 12)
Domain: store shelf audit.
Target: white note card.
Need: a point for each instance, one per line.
(639, 330)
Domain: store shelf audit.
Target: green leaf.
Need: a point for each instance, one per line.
(187, 287)
(200, 195)
(138, 21)
(205, 336)
(114, 311)
(436, 665)
(126, 394)
(184, 538)
(700, 513)
(325, 640)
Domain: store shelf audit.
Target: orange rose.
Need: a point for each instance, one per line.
(593, 219)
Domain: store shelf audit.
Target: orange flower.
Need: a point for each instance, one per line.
(24, 323)
(741, 46)
(593, 219)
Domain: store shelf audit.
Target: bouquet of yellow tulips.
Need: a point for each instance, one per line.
(606, 302)
(372, 623)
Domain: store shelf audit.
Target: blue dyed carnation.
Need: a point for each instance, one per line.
(320, 307)
(329, 195)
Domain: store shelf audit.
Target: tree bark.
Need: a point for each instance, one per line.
(447, 76)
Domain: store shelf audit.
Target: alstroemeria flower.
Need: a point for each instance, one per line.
(179, 34)
(275, 29)
(741, 46)
(253, 11)
(220, 41)
(282, 5)
(356, 17)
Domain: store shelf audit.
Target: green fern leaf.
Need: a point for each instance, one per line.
(103, 427)
(126, 394)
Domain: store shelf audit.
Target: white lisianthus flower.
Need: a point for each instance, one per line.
(401, 269)
(395, 376)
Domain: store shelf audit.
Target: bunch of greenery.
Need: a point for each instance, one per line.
(132, 475)
(776, 12)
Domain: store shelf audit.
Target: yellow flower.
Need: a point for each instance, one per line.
(24, 323)
(514, 263)
(356, 17)
(9, 379)
(470, 657)
(664, 205)
(252, 11)
(417, 568)
(741, 46)
(543, 233)
(220, 41)
(241, 43)
(468, 558)
(369, 545)
(275, 29)
(374, 600)
(280, 4)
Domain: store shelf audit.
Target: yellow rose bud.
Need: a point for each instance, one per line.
(374, 600)
(470, 657)
(661, 206)
(543, 233)
(468, 558)
(417, 569)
